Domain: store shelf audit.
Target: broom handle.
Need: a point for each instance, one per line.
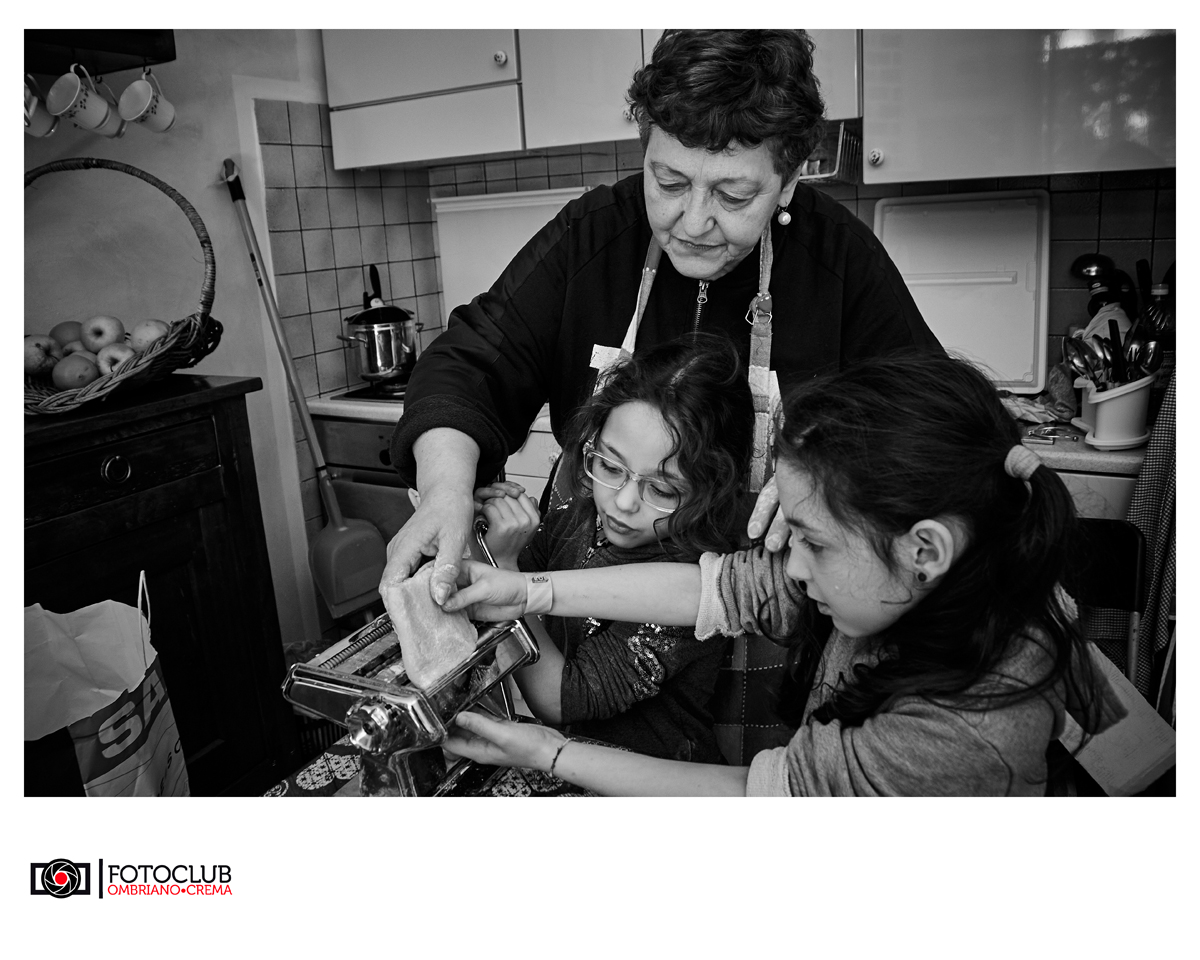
(233, 180)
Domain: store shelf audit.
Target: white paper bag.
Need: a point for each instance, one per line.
(94, 672)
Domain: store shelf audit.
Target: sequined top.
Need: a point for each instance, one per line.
(637, 685)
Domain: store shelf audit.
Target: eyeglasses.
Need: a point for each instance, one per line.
(614, 475)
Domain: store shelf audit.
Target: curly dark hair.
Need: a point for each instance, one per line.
(893, 440)
(711, 88)
(697, 385)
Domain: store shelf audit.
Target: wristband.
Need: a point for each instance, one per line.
(539, 593)
(557, 754)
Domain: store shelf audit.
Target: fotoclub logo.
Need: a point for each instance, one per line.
(60, 878)
(66, 878)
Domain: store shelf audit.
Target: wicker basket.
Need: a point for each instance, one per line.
(189, 340)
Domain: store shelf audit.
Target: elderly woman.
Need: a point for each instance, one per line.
(796, 281)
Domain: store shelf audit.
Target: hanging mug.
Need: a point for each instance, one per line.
(72, 99)
(114, 126)
(143, 102)
(39, 122)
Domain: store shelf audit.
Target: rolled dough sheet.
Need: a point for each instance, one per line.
(432, 641)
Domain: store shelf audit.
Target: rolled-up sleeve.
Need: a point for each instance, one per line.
(747, 592)
(768, 776)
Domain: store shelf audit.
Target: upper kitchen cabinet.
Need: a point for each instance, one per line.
(398, 96)
(366, 66)
(574, 84)
(837, 64)
(404, 95)
(952, 104)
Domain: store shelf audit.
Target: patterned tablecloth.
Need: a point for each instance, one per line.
(335, 773)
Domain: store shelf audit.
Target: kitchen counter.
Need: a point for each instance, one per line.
(1081, 457)
(375, 411)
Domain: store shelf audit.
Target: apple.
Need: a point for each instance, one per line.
(100, 331)
(66, 332)
(146, 332)
(74, 371)
(75, 346)
(113, 356)
(41, 353)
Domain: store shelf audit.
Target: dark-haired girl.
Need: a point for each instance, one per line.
(654, 464)
(920, 592)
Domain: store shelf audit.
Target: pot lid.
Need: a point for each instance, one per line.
(384, 314)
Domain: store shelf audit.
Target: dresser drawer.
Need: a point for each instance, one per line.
(110, 471)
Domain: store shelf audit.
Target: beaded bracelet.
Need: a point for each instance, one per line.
(557, 753)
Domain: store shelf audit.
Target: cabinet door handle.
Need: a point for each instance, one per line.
(500, 57)
(116, 469)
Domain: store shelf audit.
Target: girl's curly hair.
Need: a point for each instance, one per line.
(697, 385)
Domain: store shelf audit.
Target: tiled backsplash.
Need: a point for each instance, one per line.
(327, 226)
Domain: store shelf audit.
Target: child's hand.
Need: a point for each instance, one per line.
(488, 593)
(512, 519)
(503, 742)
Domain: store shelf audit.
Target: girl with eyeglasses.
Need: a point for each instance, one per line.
(652, 470)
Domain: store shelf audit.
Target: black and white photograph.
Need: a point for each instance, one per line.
(478, 414)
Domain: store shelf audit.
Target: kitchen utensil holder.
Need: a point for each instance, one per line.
(838, 158)
(189, 340)
(1120, 413)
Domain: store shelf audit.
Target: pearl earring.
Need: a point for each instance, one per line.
(783, 217)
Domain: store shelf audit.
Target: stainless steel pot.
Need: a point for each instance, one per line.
(386, 338)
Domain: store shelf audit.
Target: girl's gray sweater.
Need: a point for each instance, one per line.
(912, 748)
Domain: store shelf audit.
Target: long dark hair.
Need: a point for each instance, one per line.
(697, 385)
(711, 88)
(891, 441)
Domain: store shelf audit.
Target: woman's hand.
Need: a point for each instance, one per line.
(443, 521)
(503, 742)
(766, 511)
(512, 519)
(439, 527)
(490, 593)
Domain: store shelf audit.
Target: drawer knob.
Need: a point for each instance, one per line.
(116, 469)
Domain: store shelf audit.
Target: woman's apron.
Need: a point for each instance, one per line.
(764, 384)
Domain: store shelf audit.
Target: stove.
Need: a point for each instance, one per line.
(379, 390)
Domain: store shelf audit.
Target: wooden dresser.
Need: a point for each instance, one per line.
(163, 481)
